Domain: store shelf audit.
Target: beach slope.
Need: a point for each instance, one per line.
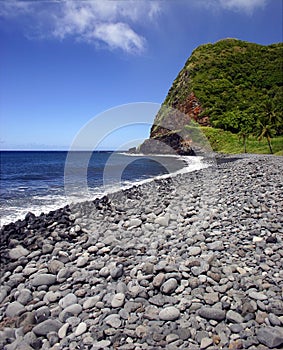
(189, 262)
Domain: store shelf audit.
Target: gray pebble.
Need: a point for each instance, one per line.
(169, 313)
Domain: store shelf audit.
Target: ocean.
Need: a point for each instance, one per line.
(41, 181)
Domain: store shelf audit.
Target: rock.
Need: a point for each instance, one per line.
(234, 317)
(158, 280)
(236, 345)
(148, 268)
(170, 338)
(63, 274)
(54, 266)
(117, 272)
(47, 248)
(169, 286)
(82, 327)
(47, 326)
(68, 300)
(257, 239)
(42, 314)
(26, 320)
(3, 294)
(71, 310)
(141, 331)
(63, 331)
(90, 302)
(18, 252)
(271, 239)
(82, 260)
(162, 220)
(274, 320)
(25, 296)
(113, 321)
(118, 300)
(217, 245)
(257, 296)
(134, 222)
(100, 345)
(169, 313)
(193, 251)
(205, 343)
(14, 309)
(212, 313)
(211, 298)
(104, 272)
(43, 279)
(272, 337)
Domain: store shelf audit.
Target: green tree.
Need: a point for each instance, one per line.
(245, 125)
(264, 129)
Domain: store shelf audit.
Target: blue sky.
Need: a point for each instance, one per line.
(64, 63)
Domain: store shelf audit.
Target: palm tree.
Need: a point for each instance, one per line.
(265, 129)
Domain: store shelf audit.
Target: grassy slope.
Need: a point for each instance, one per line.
(227, 142)
(232, 76)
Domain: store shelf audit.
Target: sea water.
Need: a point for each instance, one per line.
(35, 181)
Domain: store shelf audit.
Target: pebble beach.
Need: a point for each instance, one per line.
(188, 262)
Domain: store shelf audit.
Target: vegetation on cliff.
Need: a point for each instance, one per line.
(231, 85)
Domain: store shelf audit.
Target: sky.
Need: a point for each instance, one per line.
(106, 65)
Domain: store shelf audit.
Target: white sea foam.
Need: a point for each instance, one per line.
(44, 204)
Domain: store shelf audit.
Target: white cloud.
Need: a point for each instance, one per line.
(13, 8)
(245, 6)
(119, 35)
(111, 22)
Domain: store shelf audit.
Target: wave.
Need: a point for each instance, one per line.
(16, 208)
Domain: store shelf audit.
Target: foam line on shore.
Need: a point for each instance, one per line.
(192, 163)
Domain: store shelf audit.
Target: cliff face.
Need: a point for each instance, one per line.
(218, 82)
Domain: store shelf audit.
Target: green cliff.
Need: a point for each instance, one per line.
(232, 85)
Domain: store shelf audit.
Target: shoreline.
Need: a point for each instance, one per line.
(191, 261)
(188, 167)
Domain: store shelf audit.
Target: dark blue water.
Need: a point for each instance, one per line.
(40, 181)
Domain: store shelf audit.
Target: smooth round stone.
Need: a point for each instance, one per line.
(102, 344)
(74, 309)
(158, 280)
(257, 296)
(212, 313)
(90, 302)
(194, 251)
(118, 300)
(68, 300)
(3, 294)
(63, 331)
(43, 279)
(18, 252)
(82, 327)
(25, 296)
(55, 265)
(47, 248)
(51, 297)
(14, 309)
(134, 223)
(82, 261)
(113, 321)
(104, 272)
(141, 331)
(206, 342)
(234, 317)
(170, 313)
(47, 326)
(169, 286)
(117, 272)
(63, 274)
(162, 221)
